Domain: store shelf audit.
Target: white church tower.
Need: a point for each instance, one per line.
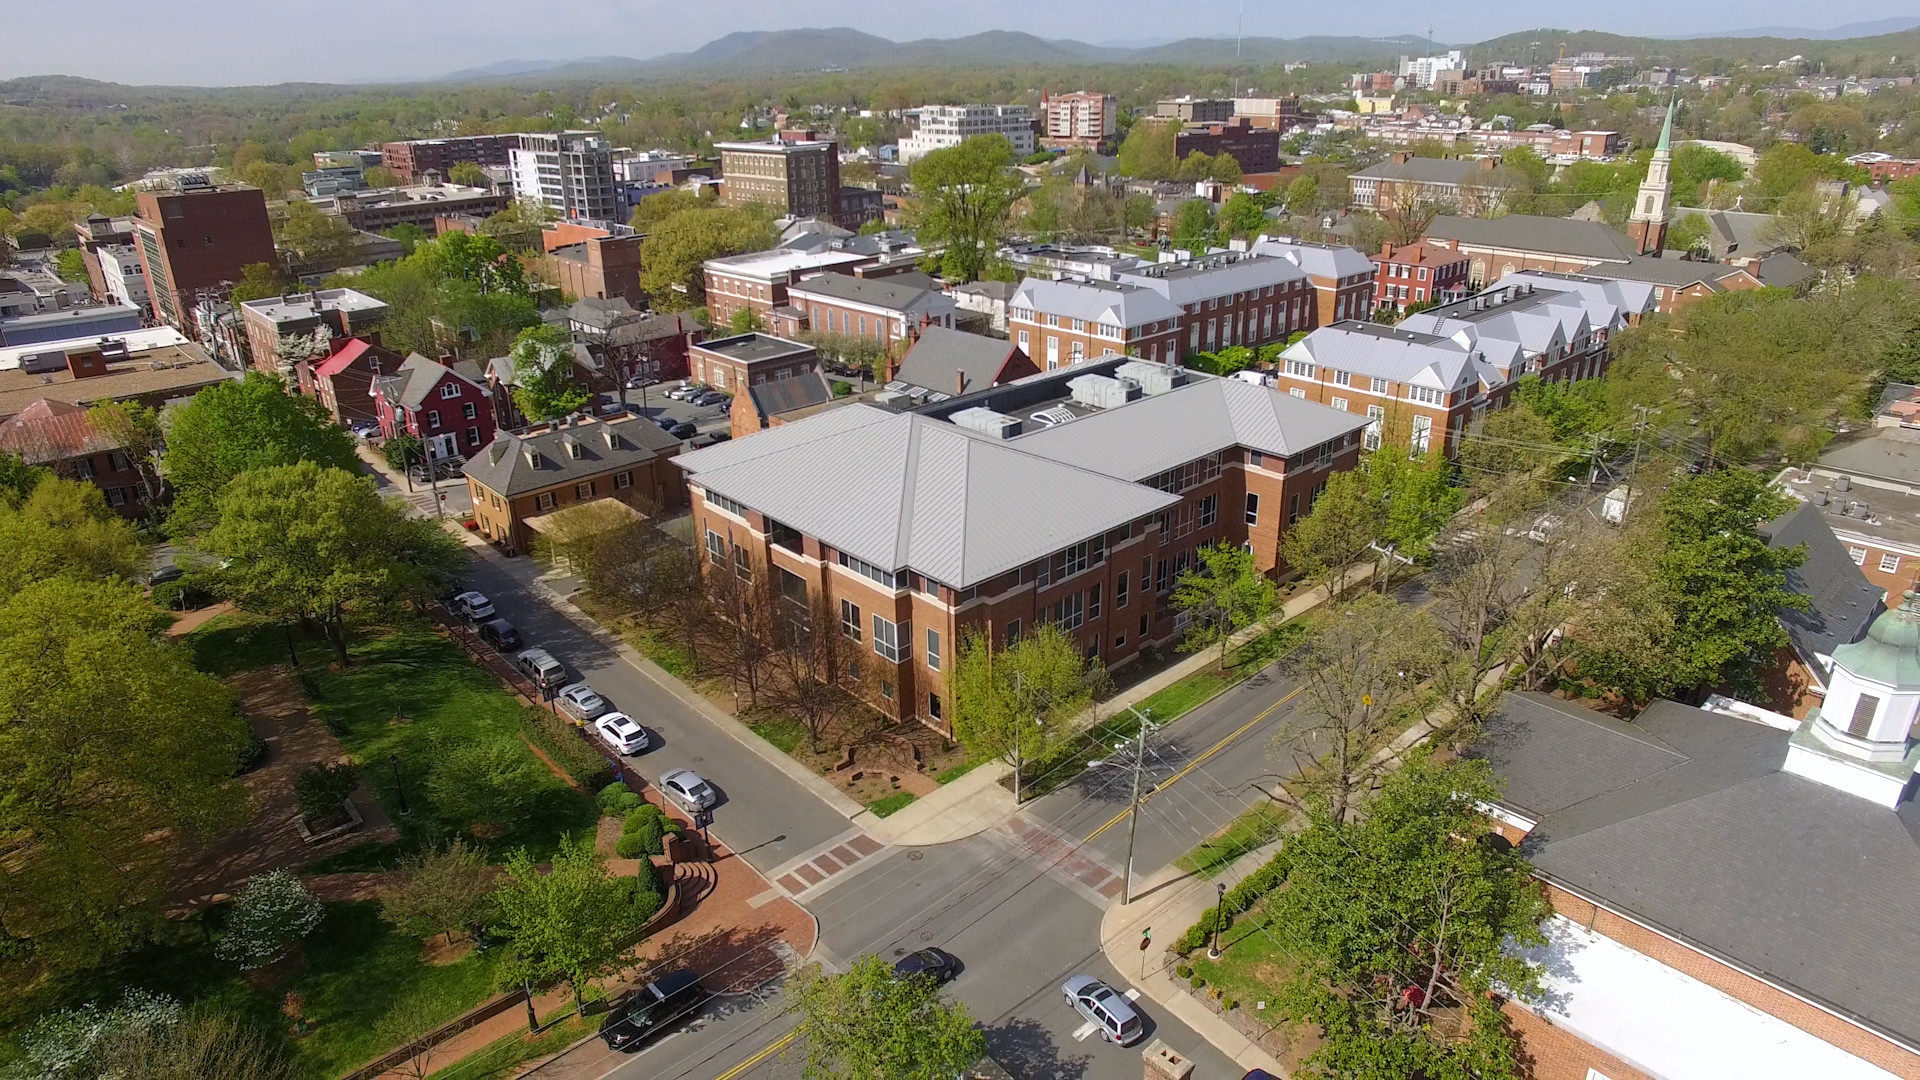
(1862, 739)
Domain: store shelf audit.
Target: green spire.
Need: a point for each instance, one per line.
(1666, 130)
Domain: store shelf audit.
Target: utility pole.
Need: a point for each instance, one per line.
(1633, 471)
(1133, 804)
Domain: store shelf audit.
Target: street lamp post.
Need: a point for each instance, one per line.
(1219, 916)
(394, 760)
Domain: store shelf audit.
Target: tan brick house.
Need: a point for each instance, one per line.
(519, 478)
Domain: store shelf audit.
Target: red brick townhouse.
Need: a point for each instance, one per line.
(886, 310)
(58, 435)
(758, 281)
(1427, 379)
(1733, 895)
(1073, 497)
(343, 381)
(1229, 298)
(450, 412)
(1418, 273)
(1342, 278)
(1067, 321)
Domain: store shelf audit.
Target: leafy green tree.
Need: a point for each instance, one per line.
(1242, 216)
(258, 281)
(232, 427)
(379, 176)
(1017, 703)
(322, 789)
(313, 543)
(18, 479)
(1416, 498)
(1528, 163)
(70, 265)
(78, 1042)
(963, 199)
(1337, 532)
(1147, 152)
(660, 206)
(746, 319)
(469, 174)
(136, 428)
(519, 226)
(1195, 166)
(1194, 228)
(1695, 167)
(1303, 194)
(869, 1024)
(681, 242)
(481, 260)
(204, 1046)
(64, 528)
(441, 890)
(1226, 169)
(269, 918)
(1403, 925)
(320, 239)
(573, 922)
(544, 384)
(485, 782)
(1688, 233)
(409, 235)
(1224, 592)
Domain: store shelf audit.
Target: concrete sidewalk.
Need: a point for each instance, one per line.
(1170, 901)
(970, 805)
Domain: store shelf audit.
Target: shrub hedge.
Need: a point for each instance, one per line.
(569, 749)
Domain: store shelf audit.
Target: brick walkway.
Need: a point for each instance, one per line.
(822, 866)
(1077, 867)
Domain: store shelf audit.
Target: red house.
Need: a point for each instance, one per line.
(448, 411)
(1418, 273)
(343, 380)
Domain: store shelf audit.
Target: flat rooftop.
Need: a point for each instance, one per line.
(75, 315)
(780, 262)
(184, 368)
(754, 348)
(299, 306)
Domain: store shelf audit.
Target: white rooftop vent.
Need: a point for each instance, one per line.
(987, 422)
(1150, 377)
(1059, 414)
(1101, 392)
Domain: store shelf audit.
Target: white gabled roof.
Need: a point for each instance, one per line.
(1394, 354)
(1319, 260)
(1109, 302)
(903, 490)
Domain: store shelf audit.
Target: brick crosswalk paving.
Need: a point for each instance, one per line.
(1078, 868)
(817, 868)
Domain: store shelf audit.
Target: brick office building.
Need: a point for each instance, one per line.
(758, 280)
(729, 363)
(271, 319)
(1257, 149)
(884, 310)
(199, 237)
(1417, 273)
(1070, 321)
(998, 527)
(517, 479)
(588, 262)
(800, 178)
(1425, 381)
(413, 159)
(1342, 278)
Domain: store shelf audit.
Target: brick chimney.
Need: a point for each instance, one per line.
(1386, 249)
(1401, 157)
(1488, 164)
(1162, 1062)
(959, 383)
(86, 365)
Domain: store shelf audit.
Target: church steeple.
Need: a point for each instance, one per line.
(1647, 225)
(1861, 739)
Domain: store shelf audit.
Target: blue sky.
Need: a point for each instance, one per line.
(230, 42)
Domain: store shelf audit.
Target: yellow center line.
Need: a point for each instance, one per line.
(778, 1045)
(1196, 762)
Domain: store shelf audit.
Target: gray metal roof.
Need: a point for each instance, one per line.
(1425, 170)
(1528, 232)
(1212, 275)
(1783, 270)
(1678, 273)
(903, 490)
(1683, 820)
(1109, 302)
(776, 396)
(879, 292)
(589, 448)
(1844, 601)
(1318, 260)
(953, 361)
(1156, 433)
(1391, 353)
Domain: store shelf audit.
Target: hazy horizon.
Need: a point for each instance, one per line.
(225, 43)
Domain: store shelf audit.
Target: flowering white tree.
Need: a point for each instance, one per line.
(271, 916)
(72, 1042)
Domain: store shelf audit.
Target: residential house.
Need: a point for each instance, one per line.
(1342, 278)
(343, 381)
(516, 480)
(1504, 245)
(955, 362)
(1733, 894)
(1417, 274)
(884, 310)
(1402, 182)
(451, 412)
(1002, 522)
(729, 363)
(777, 400)
(59, 436)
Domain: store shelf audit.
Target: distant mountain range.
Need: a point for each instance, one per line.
(1837, 33)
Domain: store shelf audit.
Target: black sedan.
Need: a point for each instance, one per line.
(937, 964)
(647, 1012)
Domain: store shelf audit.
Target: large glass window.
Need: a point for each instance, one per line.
(886, 640)
(850, 620)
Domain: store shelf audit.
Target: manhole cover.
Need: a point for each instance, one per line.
(697, 759)
(915, 856)
(926, 935)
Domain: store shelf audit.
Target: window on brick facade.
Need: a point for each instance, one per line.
(1120, 590)
(1293, 508)
(433, 418)
(1253, 508)
(742, 564)
(469, 410)
(1093, 602)
(716, 545)
(933, 649)
(1209, 510)
(850, 620)
(583, 490)
(1889, 563)
(1013, 633)
(543, 501)
(1859, 555)
(622, 480)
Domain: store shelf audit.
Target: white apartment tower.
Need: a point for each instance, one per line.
(1082, 115)
(942, 126)
(569, 171)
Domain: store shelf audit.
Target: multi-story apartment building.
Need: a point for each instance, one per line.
(270, 319)
(885, 310)
(1281, 114)
(347, 159)
(1190, 110)
(1085, 118)
(1418, 273)
(196, 238)
(96, 232)
(516, 480)
(58, 435)
(1468, 186)
(122, 275)
(798, 179)
(1342, 278)
(1069, 321)
(1229, 299)
(1426, 380)
(730, 363)
(413, 159)
(1256, 149)
(1551, 142)
(1083, 521)
(568, 172)
(943, 126)
(379, 209)
(758, 281)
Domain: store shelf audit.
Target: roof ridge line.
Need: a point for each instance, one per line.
(903, 515)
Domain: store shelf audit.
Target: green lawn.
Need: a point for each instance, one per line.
(231, 643)
(958, 771)
(503, 1057)
(784, 732)
(891, 804)
(355, 969)
(1259, 824)
(1251, 969)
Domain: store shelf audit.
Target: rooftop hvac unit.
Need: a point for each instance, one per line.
(1101, 392)
(1053, 417)
(987, 422)
(1150, 377)
(892, 397)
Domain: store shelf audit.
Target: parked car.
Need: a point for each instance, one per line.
(683, 431)
(472, 606)
(622, 733)
(500, 634)
(365, 429)
(169, 572)
(937, 964)
(665, 422)
(709, 439)
(582, 702)
(1113, 1015)
(710, 397)
(683, 391)
(685, 788)
(539, 666)
(650, 1010)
